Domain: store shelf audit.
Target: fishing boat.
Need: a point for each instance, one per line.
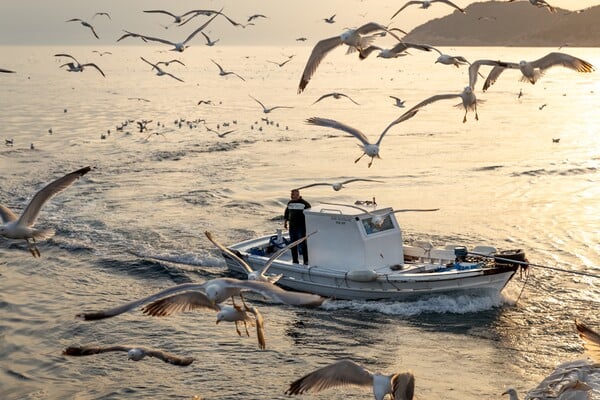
(355, 254)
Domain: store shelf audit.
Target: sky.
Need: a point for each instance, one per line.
(40, 22)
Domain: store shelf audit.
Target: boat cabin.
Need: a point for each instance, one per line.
(348, 240)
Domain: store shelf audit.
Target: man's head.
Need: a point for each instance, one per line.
(295, 194)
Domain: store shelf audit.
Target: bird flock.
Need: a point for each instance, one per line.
(213, 294)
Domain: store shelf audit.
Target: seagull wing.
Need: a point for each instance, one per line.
(314, 184)
(344, 372)
(276, 107)
(148, 62)
(168, 357)
(230, 253)
(272, 291)
(258, 101)
(348, 205)
(562, 59)
(161, 12)
(406, 5)
(173, 76)
(323, 97)
(366, 52)
(361, 180)
(590, 338)
(6, 214)
(403, 386)
(6, 71)
(370, 28)
(95, 66)
(451, 4)
(93, 30)
(260, 328)
(330, 123)
(204, 25)
(218, 65)
(316, 56)
(111, 312)
(180, 302)
(150, 38)
(474, 70)
(494, 74)
(238, 76)
(89, 350)
(49, 191)
(66, 55)
(349, 98)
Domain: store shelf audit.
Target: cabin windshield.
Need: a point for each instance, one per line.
(371, 228)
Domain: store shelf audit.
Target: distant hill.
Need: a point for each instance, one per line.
(496, 23)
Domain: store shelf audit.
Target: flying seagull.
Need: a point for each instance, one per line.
(216, 291)
(208, 13)
(337, 186)
(267, 110)
(355, 39)
(133, 353)
(369, 149)
(540, 4)
(84, 23)
(102, 13)
(426, 3)
(378, 219)
(208, 41)
(219, 134)
(166, 63)
(222, 72)
(330, 20)
(179, 46)
(76, 66)
(399, 101)
(400, 386)
(335, 95)
(255, 16)
(397, 51)
(534, 70)
(159, 71)
(102, 53)
(176, 18)
(281, 64)
(14, 227)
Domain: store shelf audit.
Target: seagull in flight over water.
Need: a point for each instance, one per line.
(133, 353)
(534, 70)
(267, 110)
(337, 186)
(22, 227)
(222, 72)
(355, 39)
(86, 24)
(401, 386)
(76, 66)
(426, 4)
(159, 71)
(335, 95)
(540, 4)
(369, 149)
(179, 46)
(378, 218)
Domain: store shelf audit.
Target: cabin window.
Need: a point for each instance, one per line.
(371, 228)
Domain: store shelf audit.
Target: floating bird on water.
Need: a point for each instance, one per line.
(534, 70)
(540, 4)
(76, 66)
(179, 46)
(427, 3)
(337, 186)
(159, 71)
(401, 386)
(355, 39)
(267, 110)
(9, 142)
(23, 226)
(133, 353)
(84, 23)
(335, 95)
(222, 72)
(369, 149)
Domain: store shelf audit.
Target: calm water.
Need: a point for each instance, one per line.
(135, 224)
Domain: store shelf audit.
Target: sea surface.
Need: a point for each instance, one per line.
(135, 224)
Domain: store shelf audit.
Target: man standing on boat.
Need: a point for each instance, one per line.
(294, 218)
